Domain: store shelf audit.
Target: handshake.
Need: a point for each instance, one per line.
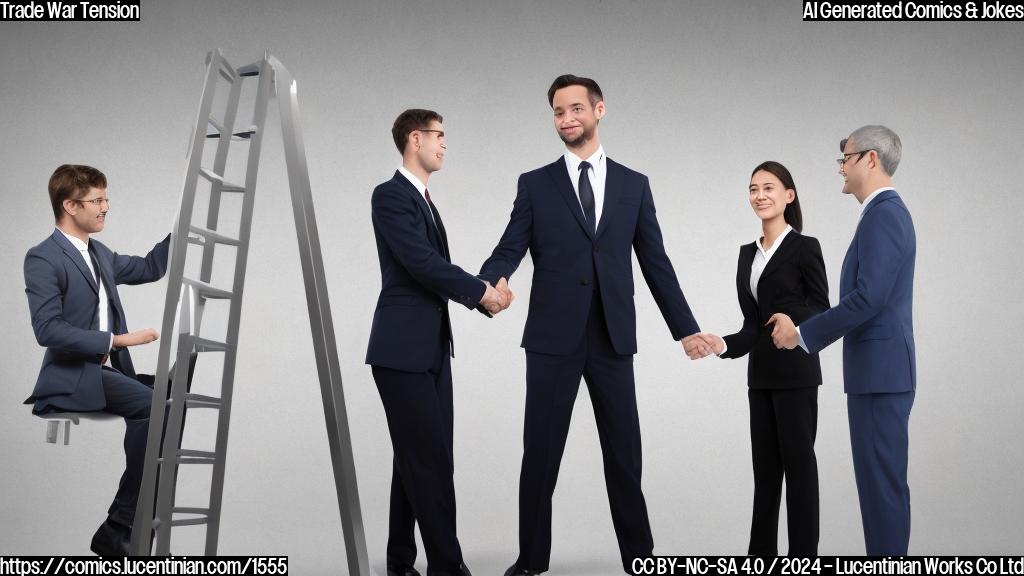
(497, 298)
(701, 344)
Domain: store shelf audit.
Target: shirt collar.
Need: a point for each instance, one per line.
(596, 160)
(776, 244)
(415, 181)
(867, 201)
(75, 241)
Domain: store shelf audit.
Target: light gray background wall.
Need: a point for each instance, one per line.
(697, 94)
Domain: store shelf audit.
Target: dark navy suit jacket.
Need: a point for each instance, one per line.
(876, 296)
(569, 258)
(417, 280)
(62, 298)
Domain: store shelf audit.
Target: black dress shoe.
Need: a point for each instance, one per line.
(111, 540)
(514, 570)
(402, 571)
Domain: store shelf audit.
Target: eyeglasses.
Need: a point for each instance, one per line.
(440, 133)
(97, 202)
(842, 161)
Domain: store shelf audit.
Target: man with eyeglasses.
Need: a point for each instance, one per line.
(411, 347)
(874, 316)
(71, 283)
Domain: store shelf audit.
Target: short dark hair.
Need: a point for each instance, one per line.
(792, 213)
(72, 182)
(566, 80)
(411, 119)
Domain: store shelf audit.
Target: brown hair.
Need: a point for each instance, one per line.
(566, 80)
(412, 119)
(72, 182)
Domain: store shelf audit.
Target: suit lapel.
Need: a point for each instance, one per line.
(433, 232)
(784, 252)
(71, 252)
(746, 261)
(612, 189)
(559, 172)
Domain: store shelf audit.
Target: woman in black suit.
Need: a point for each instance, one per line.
(783, 271)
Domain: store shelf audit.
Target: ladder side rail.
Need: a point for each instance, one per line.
(263, 95)
(321, 324)
(144, 520)
(172, 440)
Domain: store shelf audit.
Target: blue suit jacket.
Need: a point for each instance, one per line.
(417, 280)
(875, 309)
(569, 258)
(62, 298)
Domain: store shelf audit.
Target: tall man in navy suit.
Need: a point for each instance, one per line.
(582, 217)
(875, 318)
(411, 346)
(71, 282)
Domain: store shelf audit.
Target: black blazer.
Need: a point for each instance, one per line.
(794, 283)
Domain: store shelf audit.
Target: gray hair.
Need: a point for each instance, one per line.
(882, 140)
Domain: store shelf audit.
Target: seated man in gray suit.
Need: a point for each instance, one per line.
(71, 283)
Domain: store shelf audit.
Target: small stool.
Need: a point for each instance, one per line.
(58, 424)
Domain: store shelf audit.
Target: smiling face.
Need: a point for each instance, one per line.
(88, 214)
(575, 117)
(430, 146)
(768, 196)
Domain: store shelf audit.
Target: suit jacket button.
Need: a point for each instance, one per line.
(584, 282)
(596, 250)
(438, 308)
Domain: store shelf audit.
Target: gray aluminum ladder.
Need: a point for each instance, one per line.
(188, 296)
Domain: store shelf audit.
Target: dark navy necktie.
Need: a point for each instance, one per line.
(587, 194)
(439, 225)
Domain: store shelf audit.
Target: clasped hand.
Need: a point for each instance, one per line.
(702, 344)
(498, 297)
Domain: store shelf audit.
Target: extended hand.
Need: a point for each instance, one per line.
(696, 346)
(784, 335)
(714, 341)
(135, 338)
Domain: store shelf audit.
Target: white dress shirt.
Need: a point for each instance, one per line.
(761, 258)
(101, 309)
(598, 173)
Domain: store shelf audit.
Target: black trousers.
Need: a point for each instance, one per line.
(783, 426)
(420, 420)
(552, 383)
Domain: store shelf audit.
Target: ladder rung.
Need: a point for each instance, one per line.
(196, 457)
(213, 127)
(206, 345)
(225, 186)
(213, 235)
(203, 519)
(204, 290)
(214, 130)
(201, 401)
(249, 69)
